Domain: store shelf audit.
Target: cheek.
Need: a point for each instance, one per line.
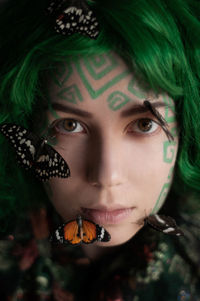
(63, 194)
(150, 174)
(169, 158)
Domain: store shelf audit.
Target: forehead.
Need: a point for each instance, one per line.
(102, 84)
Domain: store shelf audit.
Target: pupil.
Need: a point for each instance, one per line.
(69, 125)
(145, 125)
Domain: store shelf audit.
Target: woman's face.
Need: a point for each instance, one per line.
(120, 158)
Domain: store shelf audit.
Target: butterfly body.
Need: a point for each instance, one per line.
(162, 223)
(79, 231)
(74, 16)
(33, 153)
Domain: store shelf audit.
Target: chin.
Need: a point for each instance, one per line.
(119, 236)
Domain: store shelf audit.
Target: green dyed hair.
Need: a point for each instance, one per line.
(161, 38)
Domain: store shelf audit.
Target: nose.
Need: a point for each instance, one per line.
(104, 168)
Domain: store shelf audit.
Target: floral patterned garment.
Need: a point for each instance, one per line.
(31, 268)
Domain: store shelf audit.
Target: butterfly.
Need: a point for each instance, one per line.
(74, 16)
(78, 231)
(33, 153)
(162, 223)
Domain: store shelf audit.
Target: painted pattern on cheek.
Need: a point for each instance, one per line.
(169, 152)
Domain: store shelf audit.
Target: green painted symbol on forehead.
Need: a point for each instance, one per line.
(97, 68)
(135, 90)
(71, 94)
(101, 65)
(61, 74)
(117, 100)
(52, 111)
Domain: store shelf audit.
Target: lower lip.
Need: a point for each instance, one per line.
(107, 217)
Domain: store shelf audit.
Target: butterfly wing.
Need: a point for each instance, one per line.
(93, 232)
(33, 153)
(49, 163)
(102, 234)
(89, 232)
(67, 233)
(23, 142)
(165, 224)
(74, 17)
(71, 233)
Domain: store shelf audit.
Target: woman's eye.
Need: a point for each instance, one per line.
(144, 125)
(67, 125)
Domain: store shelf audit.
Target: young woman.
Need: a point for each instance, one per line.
(119, 102)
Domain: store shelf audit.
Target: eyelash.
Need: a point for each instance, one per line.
(57, 124)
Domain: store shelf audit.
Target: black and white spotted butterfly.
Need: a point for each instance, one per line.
(162, 223)
(33, 153)
(74, 16)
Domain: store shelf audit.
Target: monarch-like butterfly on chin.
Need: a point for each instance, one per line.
(34, 154)
(78, 231)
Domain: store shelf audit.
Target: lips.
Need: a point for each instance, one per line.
(107, 216)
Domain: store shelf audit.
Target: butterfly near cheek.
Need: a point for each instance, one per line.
(34, 154)
(78, 231)
(162, 223)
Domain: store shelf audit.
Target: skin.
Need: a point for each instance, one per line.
(169, 153)
(112, 160)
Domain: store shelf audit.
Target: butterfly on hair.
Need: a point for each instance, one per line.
(164, 224)
(34, 154)
(79, 230)
(73, 16)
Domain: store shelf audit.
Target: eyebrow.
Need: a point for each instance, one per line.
(135, 109)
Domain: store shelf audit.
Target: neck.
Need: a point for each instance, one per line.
(94, 252)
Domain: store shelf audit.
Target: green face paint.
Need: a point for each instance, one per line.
(61, 75)
(70, 94)
(117, 100)
(169, 153)
(107, 70)
(136, 90)
(97, 74)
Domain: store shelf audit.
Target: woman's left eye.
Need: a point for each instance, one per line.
(144, 126)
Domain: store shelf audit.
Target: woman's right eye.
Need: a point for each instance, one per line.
(66, 126)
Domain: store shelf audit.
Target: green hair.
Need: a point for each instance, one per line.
(160, 38)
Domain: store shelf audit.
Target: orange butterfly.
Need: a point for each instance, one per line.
(79, 231)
